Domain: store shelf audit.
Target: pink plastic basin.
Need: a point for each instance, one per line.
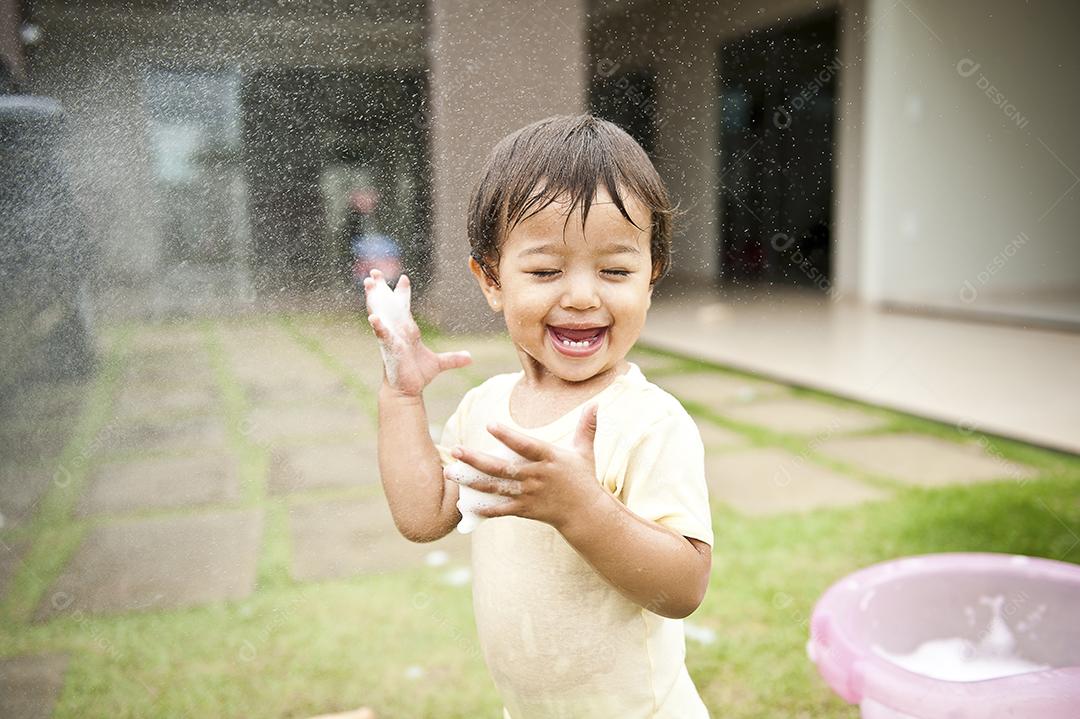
(898, 605)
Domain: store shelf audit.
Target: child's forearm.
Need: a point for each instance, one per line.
(410, 469)
(649, 564)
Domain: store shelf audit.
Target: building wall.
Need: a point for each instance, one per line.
(495, 67)
(682, 40)
(967, 195)
(95, 64)
(957, 168)
(11, 51)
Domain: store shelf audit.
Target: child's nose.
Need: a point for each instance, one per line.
(581, 294)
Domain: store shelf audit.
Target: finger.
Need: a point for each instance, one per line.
(404, 290)
(586, 430)
(526, 446)
(453, 360)
(469, 476)
(380, 328)
(493, 485)
(504, 509)
(376, 274)
(486, 463)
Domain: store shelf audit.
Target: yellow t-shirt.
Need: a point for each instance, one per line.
(559, 640)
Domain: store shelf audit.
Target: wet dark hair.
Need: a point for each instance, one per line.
(572, 155)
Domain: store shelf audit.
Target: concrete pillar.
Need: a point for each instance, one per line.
(494, 68)
(688, 149)
(847, 170)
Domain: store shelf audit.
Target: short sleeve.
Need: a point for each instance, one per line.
(665, 478)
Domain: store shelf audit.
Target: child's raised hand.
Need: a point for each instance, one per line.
(409, 365)
(553, 484)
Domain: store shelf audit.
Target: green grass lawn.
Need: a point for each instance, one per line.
(294, 649)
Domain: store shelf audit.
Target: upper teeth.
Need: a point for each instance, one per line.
(572, 343)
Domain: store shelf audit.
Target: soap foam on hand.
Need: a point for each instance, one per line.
(470, 500)
(392, 307)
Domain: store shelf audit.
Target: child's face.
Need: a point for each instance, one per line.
(574, 302)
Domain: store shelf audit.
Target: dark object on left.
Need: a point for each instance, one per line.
(46, 260)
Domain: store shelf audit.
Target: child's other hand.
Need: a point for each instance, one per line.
(409, 365)
(553, 484)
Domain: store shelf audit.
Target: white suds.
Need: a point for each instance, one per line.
(392, 308)
(961, 660)
(470, 500)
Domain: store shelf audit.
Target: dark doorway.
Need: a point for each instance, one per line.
(626, 97)
(777, 101)
(311, 136)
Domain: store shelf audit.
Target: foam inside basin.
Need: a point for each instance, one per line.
(993, 613)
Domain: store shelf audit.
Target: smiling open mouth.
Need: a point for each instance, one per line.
(577, 342)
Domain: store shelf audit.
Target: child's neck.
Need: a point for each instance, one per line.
(541, 397)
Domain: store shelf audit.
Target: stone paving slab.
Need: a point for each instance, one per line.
(353, 345)
(12, 555)
(492, 354)
(33, 441)
(43, 401)
(178, 338)
(923, 460)
(289, 390)
(161, 483)
(274, 424)
(714, 388)
(452, 383)
(296, 469)
(439, 408)
(444, 394)
(169, 369)
(138, 400)
(273, 367)
(760, 482)
(30, 685)
(344, 538)
(159, 563)
(21, 489)
(649, 363)
(799, 415)
(162, 434)
(715, 437)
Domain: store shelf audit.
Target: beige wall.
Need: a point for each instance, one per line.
(967, 197)
(495, 67)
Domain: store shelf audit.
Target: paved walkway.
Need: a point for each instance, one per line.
(199, 431)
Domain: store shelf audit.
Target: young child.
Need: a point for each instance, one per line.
(603, 539)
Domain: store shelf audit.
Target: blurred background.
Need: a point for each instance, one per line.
(879, 209)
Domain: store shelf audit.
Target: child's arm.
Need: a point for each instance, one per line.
(648, 563)
(421, 501)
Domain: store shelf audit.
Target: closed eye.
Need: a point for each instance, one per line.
(544, 273)
(617, 273)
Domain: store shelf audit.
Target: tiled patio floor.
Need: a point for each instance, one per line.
(1016, 381)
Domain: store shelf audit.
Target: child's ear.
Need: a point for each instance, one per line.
(492, 291)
